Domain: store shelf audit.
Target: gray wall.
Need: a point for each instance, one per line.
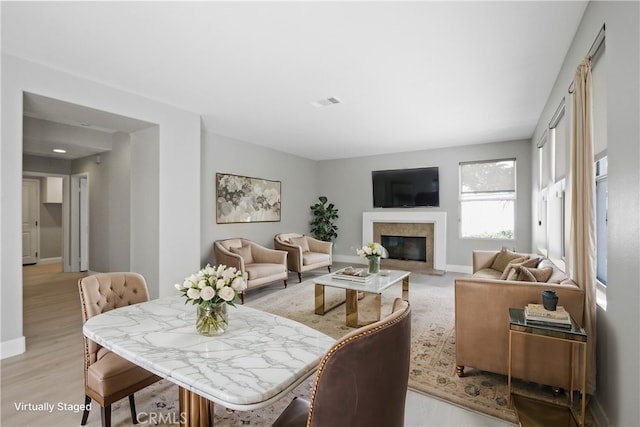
(347, 183)
(50, 230)
(618, 341)
(109, 206)
(227, 155)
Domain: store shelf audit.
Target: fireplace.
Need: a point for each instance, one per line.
(422, 223)
(405, 248)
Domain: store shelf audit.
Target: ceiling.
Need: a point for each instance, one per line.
(408, 75)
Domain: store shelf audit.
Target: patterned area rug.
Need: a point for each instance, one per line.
(432, 356)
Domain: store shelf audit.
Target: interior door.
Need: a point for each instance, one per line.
(30, 218)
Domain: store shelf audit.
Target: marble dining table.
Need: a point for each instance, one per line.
(258, 360)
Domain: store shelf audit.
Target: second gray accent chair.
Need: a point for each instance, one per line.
(305, 252)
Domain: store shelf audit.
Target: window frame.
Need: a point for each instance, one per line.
(497, 196)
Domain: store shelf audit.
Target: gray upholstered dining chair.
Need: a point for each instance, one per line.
(107, 376)
(362, 380)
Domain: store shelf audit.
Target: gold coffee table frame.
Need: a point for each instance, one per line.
(376, 286)
(576, 337)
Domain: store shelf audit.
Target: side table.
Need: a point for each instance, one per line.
(576, 337)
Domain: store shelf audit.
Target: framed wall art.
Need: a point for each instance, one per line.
(246, 199)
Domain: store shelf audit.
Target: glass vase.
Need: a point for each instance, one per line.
(374, 264)
(212, 319)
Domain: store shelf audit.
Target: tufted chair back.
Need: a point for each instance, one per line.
(100, 293)
(107, 376)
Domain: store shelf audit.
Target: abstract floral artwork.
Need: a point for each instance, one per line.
(245, 199)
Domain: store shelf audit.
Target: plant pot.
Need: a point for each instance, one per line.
(374, 264)
(212, 319)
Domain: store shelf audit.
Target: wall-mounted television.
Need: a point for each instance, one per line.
(406, 188)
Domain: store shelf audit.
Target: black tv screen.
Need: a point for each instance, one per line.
(406, 188)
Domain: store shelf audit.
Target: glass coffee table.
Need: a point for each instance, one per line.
(375, 285)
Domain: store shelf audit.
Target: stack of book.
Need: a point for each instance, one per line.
(537, 315)
(353, 274)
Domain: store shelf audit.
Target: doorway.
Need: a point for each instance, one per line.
(78, 243)
(30, 220)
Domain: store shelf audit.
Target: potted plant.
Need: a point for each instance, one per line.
(324, 216)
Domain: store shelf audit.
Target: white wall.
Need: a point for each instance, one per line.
(298, 177)
(618, 341)
(347, 183)
(178, 229)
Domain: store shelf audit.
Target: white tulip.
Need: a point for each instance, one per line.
(193, 293)
(227, 293)
(207, 293)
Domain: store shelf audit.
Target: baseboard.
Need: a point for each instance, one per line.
(50, 260)
(350, 259)
(12, 347)
(597, 411)
(467, 269)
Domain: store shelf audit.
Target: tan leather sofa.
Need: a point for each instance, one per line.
(305, 252)
(261, 266)
(482, 302)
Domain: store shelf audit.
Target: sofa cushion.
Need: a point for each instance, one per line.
(309, 258)
(300, 241)
(530, 262)
(261, 269)
(244, 252)
(504, 257)
(487, 273)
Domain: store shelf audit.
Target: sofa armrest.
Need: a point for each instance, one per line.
(319, 246)
(483, 259)
(294, 254)
(482, 328)
(266, 255)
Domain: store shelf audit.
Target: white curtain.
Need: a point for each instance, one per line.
(583, 224)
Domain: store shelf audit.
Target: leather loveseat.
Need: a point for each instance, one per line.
(482, 302)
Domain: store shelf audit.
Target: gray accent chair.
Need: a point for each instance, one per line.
(305, 252)
(261, 266)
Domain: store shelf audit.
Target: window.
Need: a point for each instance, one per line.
(601, 220)
(487, 199)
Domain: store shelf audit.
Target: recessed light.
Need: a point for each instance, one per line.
(59, 150)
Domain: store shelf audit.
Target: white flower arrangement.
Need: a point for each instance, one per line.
(370, 249)
(212, 285)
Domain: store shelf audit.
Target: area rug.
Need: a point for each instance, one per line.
(432, 370)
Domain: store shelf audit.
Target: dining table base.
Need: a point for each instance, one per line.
(195, 410)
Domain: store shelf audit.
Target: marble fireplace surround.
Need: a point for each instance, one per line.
(439, 220)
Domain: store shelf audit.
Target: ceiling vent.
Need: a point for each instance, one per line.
(325, 102)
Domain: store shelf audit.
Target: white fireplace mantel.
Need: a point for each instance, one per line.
(439, 220)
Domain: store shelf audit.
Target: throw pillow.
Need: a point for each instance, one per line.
(530, 262)
(245, 253)
(300, 241)
(524, 275)
(535, 274)
(504, 257)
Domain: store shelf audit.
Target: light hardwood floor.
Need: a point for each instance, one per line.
(50, 371)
